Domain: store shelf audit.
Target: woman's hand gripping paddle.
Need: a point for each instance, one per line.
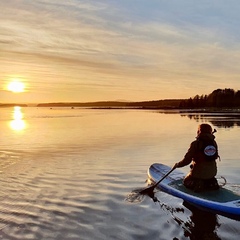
(138, 195)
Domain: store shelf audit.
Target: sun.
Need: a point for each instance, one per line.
(16, 86)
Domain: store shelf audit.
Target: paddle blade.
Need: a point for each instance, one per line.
(138, 195)
(149, 192)
(135, 196)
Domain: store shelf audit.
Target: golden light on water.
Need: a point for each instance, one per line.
(17, 124)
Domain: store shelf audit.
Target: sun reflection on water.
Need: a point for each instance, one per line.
(17, 124)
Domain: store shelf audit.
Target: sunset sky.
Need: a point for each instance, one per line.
(133, 50)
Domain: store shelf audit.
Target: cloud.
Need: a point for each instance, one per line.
(125, 46)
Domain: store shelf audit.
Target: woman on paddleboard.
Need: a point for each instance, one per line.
(202, 155)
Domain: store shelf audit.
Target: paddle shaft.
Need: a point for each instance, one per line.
(163, 178)
(149, 191)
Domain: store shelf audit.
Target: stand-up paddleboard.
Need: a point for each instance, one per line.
(222, 201)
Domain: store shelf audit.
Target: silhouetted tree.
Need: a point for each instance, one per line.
(237, 99)
(219, 98)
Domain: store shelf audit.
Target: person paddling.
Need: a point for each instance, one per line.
(202, 155)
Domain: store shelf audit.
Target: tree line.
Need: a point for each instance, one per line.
(219, 98)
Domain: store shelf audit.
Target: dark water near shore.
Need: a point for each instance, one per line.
(65, 173)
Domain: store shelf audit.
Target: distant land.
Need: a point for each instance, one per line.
(219, 99)
(168, 103)
(12, 105)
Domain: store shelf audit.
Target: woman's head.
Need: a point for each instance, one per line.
(204, 128)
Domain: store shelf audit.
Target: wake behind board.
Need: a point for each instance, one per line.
(222, 201)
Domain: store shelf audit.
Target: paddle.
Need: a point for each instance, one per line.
(137, 195)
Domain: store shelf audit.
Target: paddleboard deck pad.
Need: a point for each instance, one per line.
(222, 201)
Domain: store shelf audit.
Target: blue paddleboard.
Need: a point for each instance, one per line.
(222, 201)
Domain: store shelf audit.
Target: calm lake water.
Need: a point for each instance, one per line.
(65, 174)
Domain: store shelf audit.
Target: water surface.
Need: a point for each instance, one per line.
(65, 173)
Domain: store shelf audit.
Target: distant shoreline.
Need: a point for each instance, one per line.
(168, 103)
(124, 107)
(224, 100)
